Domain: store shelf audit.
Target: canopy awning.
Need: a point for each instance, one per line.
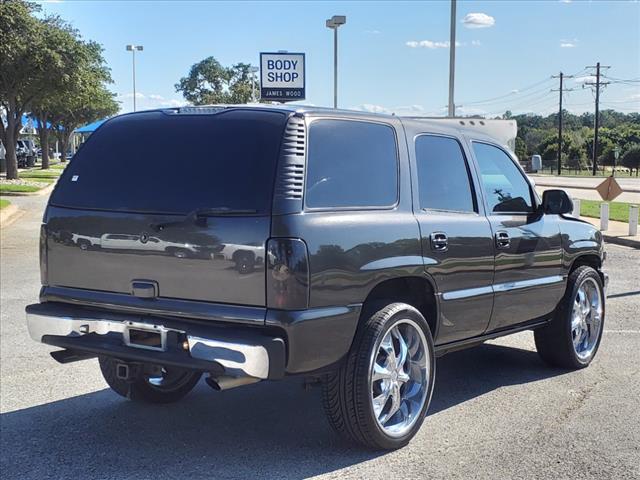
(91, 127)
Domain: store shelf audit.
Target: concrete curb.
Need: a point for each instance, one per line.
(43, 191)
(543, 183)
(626, 242)
(9, 214)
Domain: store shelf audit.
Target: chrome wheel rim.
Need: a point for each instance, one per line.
(586, 318)
(399, 377)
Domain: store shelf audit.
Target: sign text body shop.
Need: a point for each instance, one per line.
(282, 77)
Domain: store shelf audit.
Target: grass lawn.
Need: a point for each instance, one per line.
(587, 173)
(4, 203)
(618, 211)
(39, 173)
(9, 188)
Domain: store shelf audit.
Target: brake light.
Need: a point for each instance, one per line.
(43, 255)
(287, 274)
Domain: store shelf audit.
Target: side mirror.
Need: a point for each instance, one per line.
(556, 202)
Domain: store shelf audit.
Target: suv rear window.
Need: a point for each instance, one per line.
(174, 163)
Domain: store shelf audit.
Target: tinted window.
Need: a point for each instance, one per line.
(443, 176)
(351, 164)
(169, 163)
(505, 187)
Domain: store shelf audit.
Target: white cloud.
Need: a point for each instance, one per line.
(478, 20)
(475, 43)
(399, 110)
(569, 43)
(565, 1)
(586, 79)
(371, 108)
(462, 110)
(148, 101)
(431, 44)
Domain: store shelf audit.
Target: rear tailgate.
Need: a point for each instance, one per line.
(107, 251)
(125, 208)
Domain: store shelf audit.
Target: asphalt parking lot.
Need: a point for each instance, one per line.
(497, 410)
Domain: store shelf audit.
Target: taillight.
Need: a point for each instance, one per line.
(287, 274)
(43, 255)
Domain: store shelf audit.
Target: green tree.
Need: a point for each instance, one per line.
(37, 58)
(83, 76)
(209, 82)
(631, 158)
(90, 103)
(521, 148)
(23, 59)
(84, 98)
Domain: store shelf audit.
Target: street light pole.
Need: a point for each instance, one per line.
(335, 68)
(452, 59)
(333, 23)
(133, 49)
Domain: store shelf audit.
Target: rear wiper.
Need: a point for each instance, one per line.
(194, 215)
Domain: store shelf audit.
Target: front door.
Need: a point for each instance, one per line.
(528, 260)
(457, 245)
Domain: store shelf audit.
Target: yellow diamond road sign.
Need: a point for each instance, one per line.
(609, 189)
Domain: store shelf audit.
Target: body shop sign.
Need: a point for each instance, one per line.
(282, 77)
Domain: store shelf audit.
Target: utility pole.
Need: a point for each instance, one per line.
(598, 84)
(561, 77)
(452, 59)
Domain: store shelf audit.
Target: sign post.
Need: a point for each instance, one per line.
(282, 76)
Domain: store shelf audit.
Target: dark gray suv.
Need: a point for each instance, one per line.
(344, 246)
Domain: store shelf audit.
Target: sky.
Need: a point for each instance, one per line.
(393, 56)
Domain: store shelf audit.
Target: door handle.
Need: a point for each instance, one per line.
(439, 241)
(502, 239)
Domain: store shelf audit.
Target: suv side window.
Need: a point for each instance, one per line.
(443, 176)
(505, 187)
(351, 164)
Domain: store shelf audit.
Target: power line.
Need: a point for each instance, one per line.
(513, 92)
(530, 101)
(536, 101)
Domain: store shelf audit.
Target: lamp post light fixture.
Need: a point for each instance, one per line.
(253, 71)
(333, 23)
(133, 49)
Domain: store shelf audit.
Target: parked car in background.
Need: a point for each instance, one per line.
(26, 153)
(386, 242)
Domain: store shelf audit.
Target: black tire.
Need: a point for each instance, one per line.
(346, 391)
(141, 390)
(554, 341)
(245, 262)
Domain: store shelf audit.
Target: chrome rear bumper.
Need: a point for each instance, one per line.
(238, 353)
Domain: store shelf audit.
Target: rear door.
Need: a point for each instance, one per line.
(528, 279)
(457, 246)
(182, 201)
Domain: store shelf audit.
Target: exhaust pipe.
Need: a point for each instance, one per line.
(225, 383)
